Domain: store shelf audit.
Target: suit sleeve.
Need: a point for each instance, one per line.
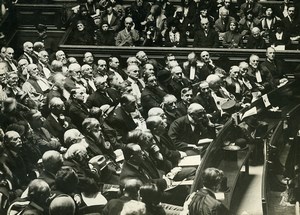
(174, 132)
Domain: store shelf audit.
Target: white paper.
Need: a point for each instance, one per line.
(194, 160)
(192, 73)
(266, 101)
(258, 77)
(220, 196)
(204, 141)
(249, 112)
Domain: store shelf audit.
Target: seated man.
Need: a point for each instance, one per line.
(178, 81)
(187, 130)
(126, 117)
(128, 36)
(204, 201)
(169, 106)
(56, 123)
(186, 100)
(255, 40)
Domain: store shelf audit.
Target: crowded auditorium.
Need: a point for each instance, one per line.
(149, 107)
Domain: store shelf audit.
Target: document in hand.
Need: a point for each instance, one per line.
(204, 141)
(194, 160)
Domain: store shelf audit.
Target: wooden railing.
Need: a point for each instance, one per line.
(214, 157)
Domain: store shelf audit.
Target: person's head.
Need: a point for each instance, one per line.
(269, 12)
(212, 178)
(204, 57)
(227, 4)
(234, 72)
(130, 187)
(91, 127)
(133, 153)
(28, 47)
(35, 119)
(177, 73)
(78, 94)
(105, 26)
(62, 205)
(192, 58)
(59, 80)
(291, 11)
(224, 13)
(204, 89)
(133, 71)
(33, 71)
(157, 111)
(61, 56)
(186, 95)
(38, 191)
(255, 32)
(132, 60)
(109, 8)
(87, 71)
(169, 58)
(114, 81)
(169, 103)
(150, 194)
(52, 161)
(244, 66)
(155, 10)
(233, 26)
(43, 57)
(88, 58)
(214, 81)
(80, 25)
(196, 112)
(134, 207)
(204, 23)
(78, 153)
(128, 23)
(57, 66)
(101, 83)
(148, 69)
(73, 136)
(12, 140)
(38, 46)
(254, 61)
(128, 102)
(150, 81)
(74, 71)
(9, 53)
(12, 79)
(142, 57)
(102, 66)
(56, 106)
(66, 180)
(270, 54)
(22, 64)
(113, 62)
(156, 125)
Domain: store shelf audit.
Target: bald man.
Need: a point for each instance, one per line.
(187, 130)
(128, 36)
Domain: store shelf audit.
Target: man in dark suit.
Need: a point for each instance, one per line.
(103, 95)
(187, 130)
(206, 37)
(78, 110)
(152, 95)
(125, 118)
(255, 40)
(12, 64)
(204, 201)
(56, 123)
(273, 66)
(291, 23)
(178, 81)
(234, 85)
(28, 54)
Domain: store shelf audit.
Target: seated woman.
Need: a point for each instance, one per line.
(247, 23)
(267, 24)
(279, 36)
(104, 37)
(173, 37)
(80, 35)
(232, 38)
(152, 36)
(157, 16)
